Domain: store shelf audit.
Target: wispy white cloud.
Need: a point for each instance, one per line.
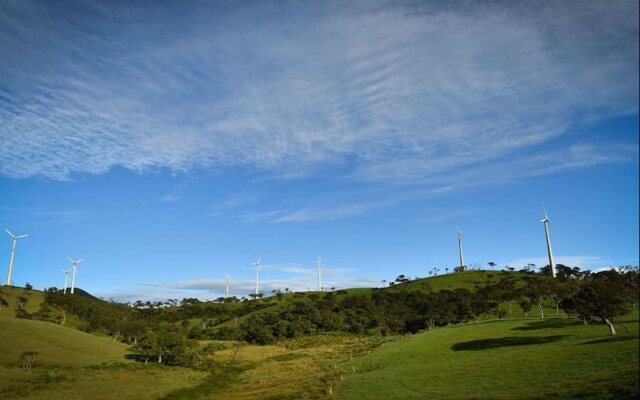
(391, 92)
(332, 212)
(49, 214)
(171, 197)
(295, 277)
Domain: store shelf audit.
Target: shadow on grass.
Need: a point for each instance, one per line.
(509, 341)
(547, 324)
(610, 339)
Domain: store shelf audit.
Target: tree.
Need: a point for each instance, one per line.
(28, 358)
(538, 289)
(21, 312)
(630, 284)
(602, 297)
(167, 343)
(525, 305)
(492, 264)
(3, 302)
(28, 287)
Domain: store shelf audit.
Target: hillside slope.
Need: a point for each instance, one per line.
(35, 298)
(57, 345)
(462, 280)
(520, 358)
(76, 365)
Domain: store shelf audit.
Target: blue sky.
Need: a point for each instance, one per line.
(170, 142)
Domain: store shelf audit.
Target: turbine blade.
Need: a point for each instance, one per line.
(70, 259)
(22, 236)
(9, 232)
(80, 260)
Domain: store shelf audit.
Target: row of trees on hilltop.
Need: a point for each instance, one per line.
(589, 296)
(164, 332)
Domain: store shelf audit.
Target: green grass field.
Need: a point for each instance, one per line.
(518, 358)
(521, 358)
(11, 294)
(76, 365)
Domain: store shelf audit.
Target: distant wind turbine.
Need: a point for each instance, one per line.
(319, 266)
(75, 271)
(13, 250)
(257, 265)
(552, 263)
(460, 248)
(228, 277)
(66, 277)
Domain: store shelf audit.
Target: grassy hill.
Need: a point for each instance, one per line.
(35, 299)
(11, 294)
(520, 358)
(467, 280)
(57, 345)
(517, 358)
(75, 365)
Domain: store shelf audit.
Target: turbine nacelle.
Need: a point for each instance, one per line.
(546, 217)
(14, 237)
(75, 263)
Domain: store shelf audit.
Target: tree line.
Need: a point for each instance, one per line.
(165, 332)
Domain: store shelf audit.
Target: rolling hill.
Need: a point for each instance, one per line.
(74, 365)
(513, 358)
(520, 358)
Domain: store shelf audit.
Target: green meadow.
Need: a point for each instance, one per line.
(514, 358)
(523, 358)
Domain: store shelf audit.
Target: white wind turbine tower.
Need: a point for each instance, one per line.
(257, 265)
(460, 248)
(66, 278)
(75, 271)
(13, 250)
(227, 278)
(319, 266)
(552, 263)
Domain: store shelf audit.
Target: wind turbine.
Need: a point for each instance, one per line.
(460, 248)
(75, 271)
(257, 265)
(66, 278)
(13, 250)
(319, 265)
(552, 263)
(228, 277)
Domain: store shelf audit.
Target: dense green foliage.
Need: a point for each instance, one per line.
(601, 295)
